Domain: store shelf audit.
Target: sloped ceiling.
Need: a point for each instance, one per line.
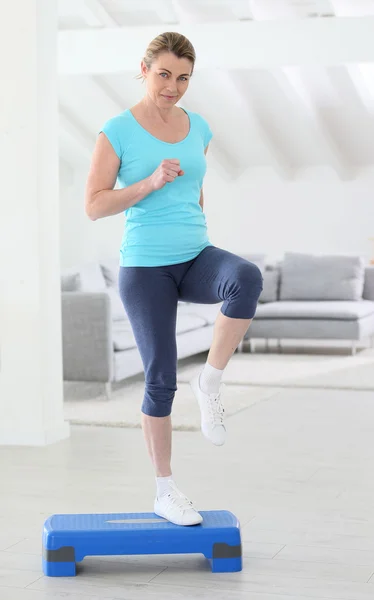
(285, 84)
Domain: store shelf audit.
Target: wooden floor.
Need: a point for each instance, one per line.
(298, 470)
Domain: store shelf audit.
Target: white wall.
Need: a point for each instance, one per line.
(321, 215)
(257, 213)
(83, 240)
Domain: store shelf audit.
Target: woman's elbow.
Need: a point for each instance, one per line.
(90, 208)
(90, 212)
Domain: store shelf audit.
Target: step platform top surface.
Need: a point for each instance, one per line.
(214, 519)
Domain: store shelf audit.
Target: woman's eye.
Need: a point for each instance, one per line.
(182, 78)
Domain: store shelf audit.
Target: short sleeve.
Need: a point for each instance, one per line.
(111, 130)
(205, 130)
(207, 134)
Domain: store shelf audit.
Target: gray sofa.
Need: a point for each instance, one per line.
(304, 297)
(98, 343)
(309, 297)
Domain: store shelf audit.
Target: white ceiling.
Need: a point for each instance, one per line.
(285, 117)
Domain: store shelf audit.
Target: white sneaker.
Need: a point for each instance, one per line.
(212, 413)
(176, 508)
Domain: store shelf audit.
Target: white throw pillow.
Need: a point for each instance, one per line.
(91, 278)
(118, 310)
(110, 269)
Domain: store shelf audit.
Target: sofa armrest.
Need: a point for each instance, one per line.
(368, 293)
(87, 336)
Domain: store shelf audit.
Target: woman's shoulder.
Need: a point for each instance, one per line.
(199, 121)
(119, 131)
(197, 117)
(120, 120)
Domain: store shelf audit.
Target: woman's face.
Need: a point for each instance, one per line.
(167, 79)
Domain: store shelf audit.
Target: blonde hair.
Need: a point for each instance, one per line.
(170, 41)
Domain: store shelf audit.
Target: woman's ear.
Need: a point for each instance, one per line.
(143, 69)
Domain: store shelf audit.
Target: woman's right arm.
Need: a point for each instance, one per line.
(101, 200)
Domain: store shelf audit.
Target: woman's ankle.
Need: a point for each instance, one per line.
(163, 485)
(164, 473)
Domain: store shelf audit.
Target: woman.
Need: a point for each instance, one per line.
(157, 151)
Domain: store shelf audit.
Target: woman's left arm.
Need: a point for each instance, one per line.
(201, 201)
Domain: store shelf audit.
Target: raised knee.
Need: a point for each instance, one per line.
(249, 277)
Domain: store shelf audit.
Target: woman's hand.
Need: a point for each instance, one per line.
(166, 172)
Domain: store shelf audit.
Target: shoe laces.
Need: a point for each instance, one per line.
(216, 408)
(178, 499)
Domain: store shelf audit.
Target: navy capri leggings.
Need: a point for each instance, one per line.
(150, 297)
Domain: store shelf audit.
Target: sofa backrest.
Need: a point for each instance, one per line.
(271, 277)
(86, 278)
(369, 283)
(102, 277)
(273, 281)
(96, 278)
(322, 277)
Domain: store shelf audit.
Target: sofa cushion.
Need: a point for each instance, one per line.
(308, 277)
(110, 270)
(70, 282)
(187, 320)
(271, 279)
(207, 312)
(123, 337)
(91, 278)
(338, 310)
(257, 259)
(117, 308)
(368, 293)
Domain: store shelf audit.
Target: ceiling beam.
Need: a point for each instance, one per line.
(221, 161)
(242, 104)
(253, 45)
(351, 8)
(66, 170)
(288, 9)
(218, 156)
(107, 94)
(242, 10)
(363, 79)
(95, 14)
(270, 9)
(74, 136)
(167, 11)
(325, 8)
(293, 86)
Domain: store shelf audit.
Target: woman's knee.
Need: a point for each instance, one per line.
(248, 278)
(244, 288)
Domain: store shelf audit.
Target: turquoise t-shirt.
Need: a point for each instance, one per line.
(168, 226)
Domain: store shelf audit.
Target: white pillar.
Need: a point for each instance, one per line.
(31, 392)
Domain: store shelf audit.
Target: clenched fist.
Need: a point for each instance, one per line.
(166, 172)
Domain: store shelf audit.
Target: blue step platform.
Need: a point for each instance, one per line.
(67, 539)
